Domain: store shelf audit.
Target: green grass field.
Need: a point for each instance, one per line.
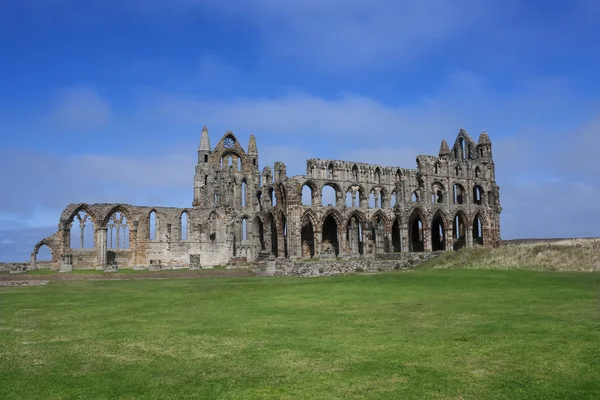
(425, 334)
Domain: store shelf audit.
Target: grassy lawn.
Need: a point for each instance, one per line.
(426, 334)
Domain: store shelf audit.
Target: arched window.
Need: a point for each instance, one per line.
(82, 231)
(152, 225)
(477, 195)
(349, 202)
(459, 192)
(328, 196)
(259, 200)
(437, 196)
(415, 197)
(244, 185)
(307, 195)
(393, 200)
(330, 171)
(272, 197)
(458, 227)
(355, 173)
(398, 175)
(477, 230)
(438, 167)
(377, 175)
(117, 235)
(463, 150)
(183, 225)
(244, 229)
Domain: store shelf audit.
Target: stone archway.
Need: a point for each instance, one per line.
(307, 238)
(438, 239)
(329, 240)
(416, 232)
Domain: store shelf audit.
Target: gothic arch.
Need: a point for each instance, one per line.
(478, 228)
(416, 230)
(117, 209)
(184, 225)
(43, 242)
(359, 215)
(438, 231)
(336, 188)
(330, 232)
(355, 173)
(384, 219)
(459, 227)
(314, 188)
(85, 208)
(258, 232)
(310, 215)
(439, 193)
(336, 216)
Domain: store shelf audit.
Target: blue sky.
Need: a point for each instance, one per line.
(104, 100)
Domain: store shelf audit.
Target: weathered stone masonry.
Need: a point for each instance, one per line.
(240, 213)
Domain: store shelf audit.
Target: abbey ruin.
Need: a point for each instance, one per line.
(242, 214)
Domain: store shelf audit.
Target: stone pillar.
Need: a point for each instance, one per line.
(342, 240)
(404, 242)
(353, 239)
(427, 239)
(295, 235)
(449, 238)
(469, 236)
(317, 242)
(32, 265)
(101, 258)
(281, 243)
(81, 230)
(133, 241)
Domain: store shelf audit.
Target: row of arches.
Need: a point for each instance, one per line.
(378, 196)
(271, 235)
(355, 173)
(82, 229)
(459, 170)
(388, 239)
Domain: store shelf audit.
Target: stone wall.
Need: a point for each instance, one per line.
(330, 268)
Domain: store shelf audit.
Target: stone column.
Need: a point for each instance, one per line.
(280, 243)
(32, 265)
(469, 236)
(342, 242)
(353, 239)
(427, 239)
(101, 258)
(81, 230)
(448, 238)
(404, 241)
(133, 241)
(317, 242)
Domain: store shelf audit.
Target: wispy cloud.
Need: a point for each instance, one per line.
(79, 109)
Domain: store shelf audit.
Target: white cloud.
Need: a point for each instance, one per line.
(79, 109)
